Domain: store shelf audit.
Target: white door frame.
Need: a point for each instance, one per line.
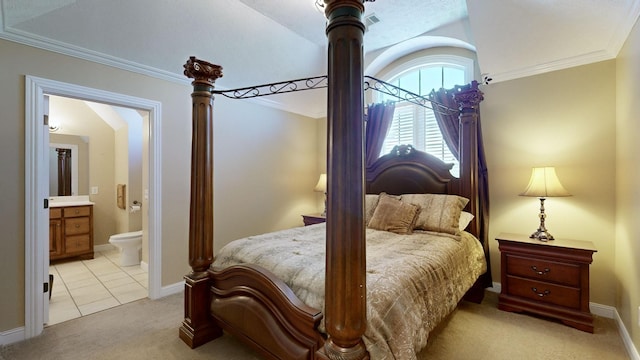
(36, 189)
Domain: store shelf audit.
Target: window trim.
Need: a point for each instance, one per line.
(424, 61)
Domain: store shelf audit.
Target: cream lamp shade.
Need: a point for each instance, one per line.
(321, 186)
(544, 183)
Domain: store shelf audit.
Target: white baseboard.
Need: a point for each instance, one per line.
(144, 266)
(626, 338)
(103, 247)
(172, 289)
(496, 287)
(12, 336)
(606, 311)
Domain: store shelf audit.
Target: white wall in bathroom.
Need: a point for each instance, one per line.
(121, 174)
(81, 120)
(135, 160)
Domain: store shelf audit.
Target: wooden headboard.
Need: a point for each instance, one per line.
(406, 170)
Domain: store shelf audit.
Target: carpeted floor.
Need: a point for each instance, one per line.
(149, 330)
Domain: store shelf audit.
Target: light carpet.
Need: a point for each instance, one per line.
(148, 329)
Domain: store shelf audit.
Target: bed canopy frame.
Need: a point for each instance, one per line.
(345, 289)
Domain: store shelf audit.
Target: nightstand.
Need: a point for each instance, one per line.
(546, 278)
(313, 219)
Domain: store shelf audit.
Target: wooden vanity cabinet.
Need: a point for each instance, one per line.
(55, 232)
(71, 232)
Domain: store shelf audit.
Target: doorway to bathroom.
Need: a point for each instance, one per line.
(39, 122)
(98, 152)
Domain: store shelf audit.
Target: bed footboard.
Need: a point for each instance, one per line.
(251, 303)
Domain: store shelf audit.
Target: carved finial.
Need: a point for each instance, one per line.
(402, 150)
(202, 71)
(468, 97)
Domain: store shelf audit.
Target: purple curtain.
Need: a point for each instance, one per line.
(450, 128)
(378, 122)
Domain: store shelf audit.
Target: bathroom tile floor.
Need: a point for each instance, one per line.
(87, 286)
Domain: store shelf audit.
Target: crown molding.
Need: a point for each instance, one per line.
(62, 48)
(59, 47)
(561, 64)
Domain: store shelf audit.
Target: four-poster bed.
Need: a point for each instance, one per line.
(257, 306)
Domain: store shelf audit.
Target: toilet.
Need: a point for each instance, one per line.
(130, 244)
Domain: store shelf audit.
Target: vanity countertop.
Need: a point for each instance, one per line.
(59, 201)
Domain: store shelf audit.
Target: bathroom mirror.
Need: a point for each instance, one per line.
(68, 166)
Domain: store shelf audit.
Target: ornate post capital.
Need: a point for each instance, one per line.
(202, 72)
(468, 97)
(331, 4)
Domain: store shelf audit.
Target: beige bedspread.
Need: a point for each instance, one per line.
(413, 281)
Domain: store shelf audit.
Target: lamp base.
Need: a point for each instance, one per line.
(542, 235)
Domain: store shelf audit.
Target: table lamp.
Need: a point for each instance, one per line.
(321, 186)
(544, 183)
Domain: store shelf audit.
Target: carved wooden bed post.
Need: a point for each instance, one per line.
(468, 100)
(197, 327)
(345, 293)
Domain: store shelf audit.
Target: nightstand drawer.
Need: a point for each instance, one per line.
(532, 268)
(544, 292)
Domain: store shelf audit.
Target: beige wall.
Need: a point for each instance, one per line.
(627, 246)
(564, 119)
(322, 158)
(266, 161)
(261, 184)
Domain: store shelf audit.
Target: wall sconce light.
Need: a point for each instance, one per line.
(321, 186)
(544, 183)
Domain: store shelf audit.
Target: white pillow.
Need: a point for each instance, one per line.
(465, 219)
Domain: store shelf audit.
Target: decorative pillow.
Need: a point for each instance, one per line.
(370, 203)
(440, 212)
(393, 215)
(465, 219)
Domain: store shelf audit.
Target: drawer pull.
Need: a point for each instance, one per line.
(77, 226)
(541, 294)
(543, 272)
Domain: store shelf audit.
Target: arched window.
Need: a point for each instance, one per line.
(416, 125)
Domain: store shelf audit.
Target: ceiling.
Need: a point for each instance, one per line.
(262, 41)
